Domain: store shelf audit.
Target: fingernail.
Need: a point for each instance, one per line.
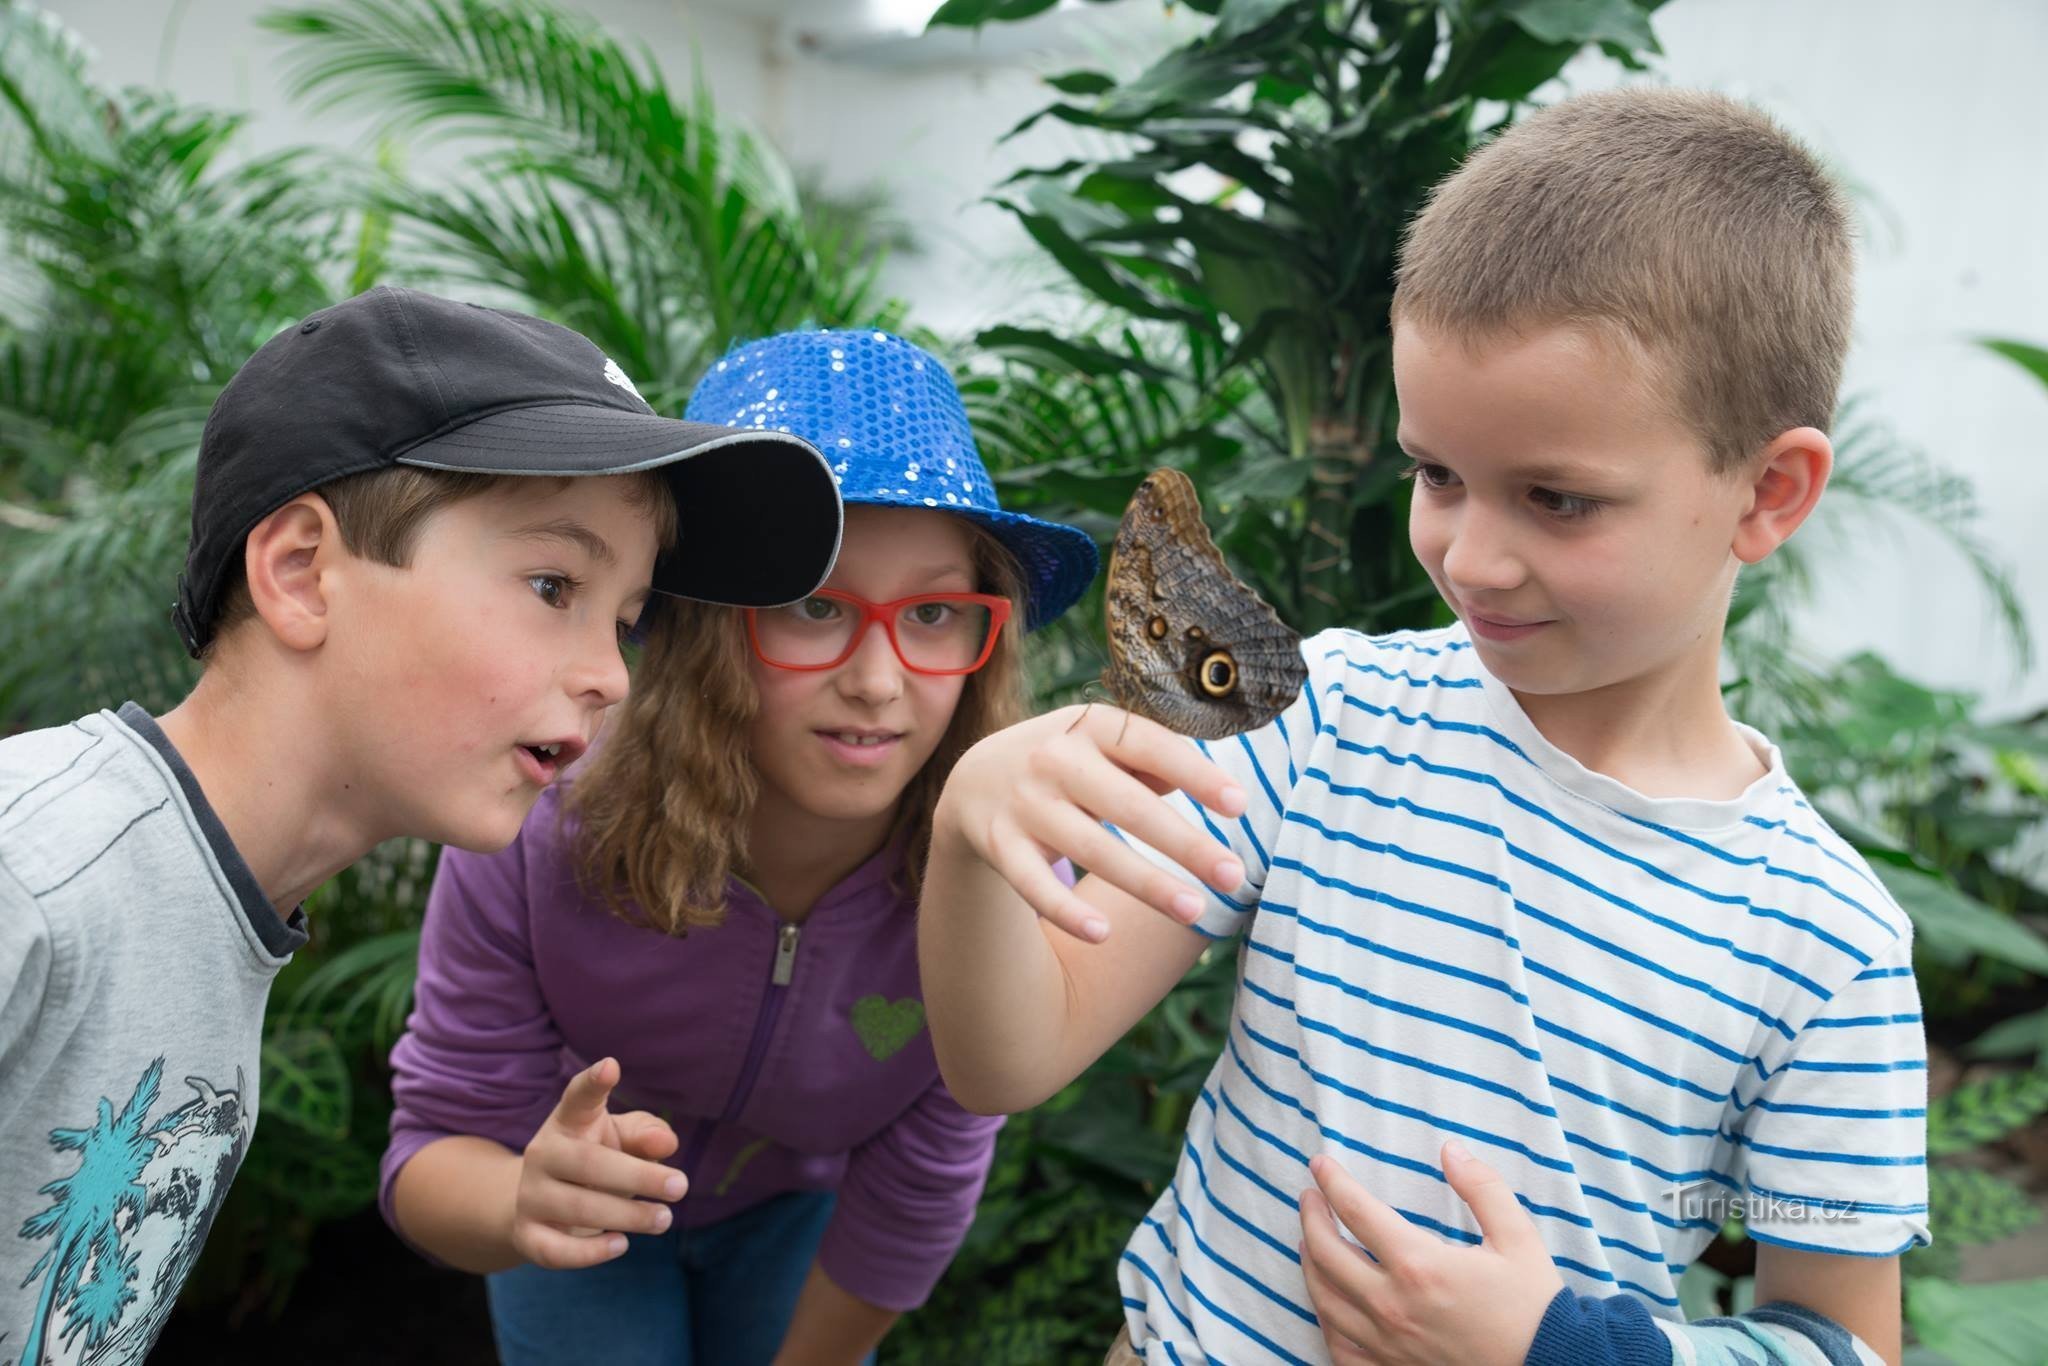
(1095, 928)
(1457, 1151)
(1229, 871)
(675, 1186)
(615, 1244)
(662, 1218)
(1187, 906)
(1233, 798)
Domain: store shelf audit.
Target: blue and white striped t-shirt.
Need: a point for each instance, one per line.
(1634, 1008)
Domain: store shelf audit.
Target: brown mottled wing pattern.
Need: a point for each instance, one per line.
(1189, 645)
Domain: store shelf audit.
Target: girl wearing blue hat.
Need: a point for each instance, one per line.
(696, 969)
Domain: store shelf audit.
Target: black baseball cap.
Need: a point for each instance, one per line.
(399, 377)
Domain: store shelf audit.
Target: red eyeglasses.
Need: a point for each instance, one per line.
(932, 633)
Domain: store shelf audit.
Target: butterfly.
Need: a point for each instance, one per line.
(1189, 645)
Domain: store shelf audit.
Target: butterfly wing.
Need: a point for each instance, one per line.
(1190, 645)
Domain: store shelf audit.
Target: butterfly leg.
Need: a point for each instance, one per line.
(1088, 692)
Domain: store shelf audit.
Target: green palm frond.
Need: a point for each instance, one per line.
(1878, 477)
(83, 605)
(638, 215)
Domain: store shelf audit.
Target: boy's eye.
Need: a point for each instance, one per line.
(1434, 476)
(1563, 505)
(549, 588)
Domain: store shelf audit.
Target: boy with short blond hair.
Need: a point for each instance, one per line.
(420, 533)
(1519, 889)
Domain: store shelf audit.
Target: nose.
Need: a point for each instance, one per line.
(599, 677)
(1479, 551)
(872, 674)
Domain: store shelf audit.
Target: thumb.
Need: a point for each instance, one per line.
(583, 1099)
(1502, 1219)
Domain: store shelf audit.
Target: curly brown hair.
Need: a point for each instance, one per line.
(661, 814)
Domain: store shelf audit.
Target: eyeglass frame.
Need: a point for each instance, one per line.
(999, 609)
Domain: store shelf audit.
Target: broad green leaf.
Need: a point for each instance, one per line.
(2013, 1038)
(974, 13)
(1239, 17)
(2001, 1324)
(1585, 21)
(1953, 926)
(1082, 82)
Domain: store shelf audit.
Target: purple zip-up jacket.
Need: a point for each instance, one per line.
(787, 1057)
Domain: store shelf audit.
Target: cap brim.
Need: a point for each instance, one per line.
(757, 513)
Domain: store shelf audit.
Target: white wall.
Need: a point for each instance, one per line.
(1933, 113)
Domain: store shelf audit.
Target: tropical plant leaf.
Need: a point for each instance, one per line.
(1981, 1112)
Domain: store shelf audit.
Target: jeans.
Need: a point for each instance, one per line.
(719, 1295)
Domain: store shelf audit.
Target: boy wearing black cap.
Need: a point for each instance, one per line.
(410, 603)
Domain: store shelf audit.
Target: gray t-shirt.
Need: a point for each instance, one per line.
(136, 953)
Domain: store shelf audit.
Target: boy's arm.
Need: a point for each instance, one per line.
(1813, 1309)
(1422, 1299)
(1018, 1005)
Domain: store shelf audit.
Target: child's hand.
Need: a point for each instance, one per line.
(1033, 793)
(1419, 1300)
(581, 1173)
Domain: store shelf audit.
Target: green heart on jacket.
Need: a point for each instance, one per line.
(885, 1026)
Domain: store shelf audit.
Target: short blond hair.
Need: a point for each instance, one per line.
(380, 513)
(1686, 222)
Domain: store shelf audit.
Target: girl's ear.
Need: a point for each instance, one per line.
(1785, 483)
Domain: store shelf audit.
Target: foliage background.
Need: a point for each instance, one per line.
(1227, 260)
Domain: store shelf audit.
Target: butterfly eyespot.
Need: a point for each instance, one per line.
(1197, 633)
(1156, 628)
(1218, 674)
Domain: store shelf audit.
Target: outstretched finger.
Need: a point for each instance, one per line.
(584, 1098)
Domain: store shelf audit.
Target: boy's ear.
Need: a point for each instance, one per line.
(1785, 481)
(284, 558)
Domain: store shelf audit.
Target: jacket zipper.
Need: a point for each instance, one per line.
(779, 974)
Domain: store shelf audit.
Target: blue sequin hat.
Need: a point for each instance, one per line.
(895, 433)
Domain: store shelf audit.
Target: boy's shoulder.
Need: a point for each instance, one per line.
(70, 794)
(1394, 665)
(1824, 875)
(1419, 704)
(1414, 683)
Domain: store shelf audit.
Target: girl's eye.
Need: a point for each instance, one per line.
(551, 589)
(1564, 506)
(625, 629)
(1432, 476)
(818, 609)
(930, 613)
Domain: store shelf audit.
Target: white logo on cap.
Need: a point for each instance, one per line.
(615, 375)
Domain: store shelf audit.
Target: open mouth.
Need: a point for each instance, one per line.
(543, 763)
(860, 748)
